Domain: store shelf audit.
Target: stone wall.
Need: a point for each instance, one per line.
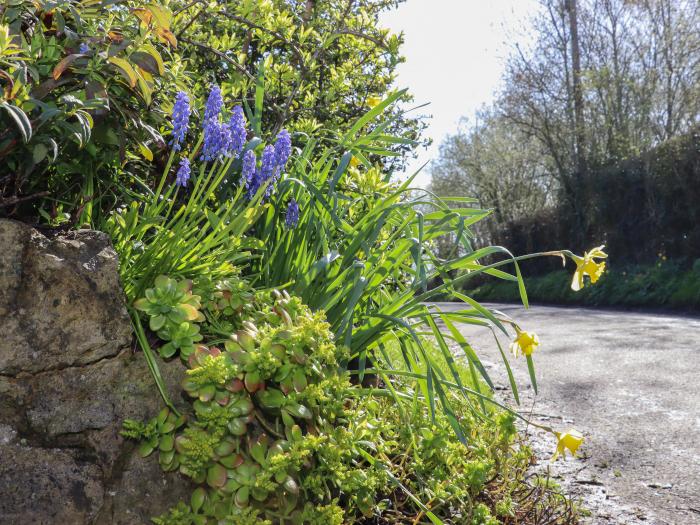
(69, 376)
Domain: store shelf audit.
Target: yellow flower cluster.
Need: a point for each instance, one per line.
(373, 101)
(525, 343)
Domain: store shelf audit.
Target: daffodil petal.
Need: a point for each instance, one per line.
(577, 282)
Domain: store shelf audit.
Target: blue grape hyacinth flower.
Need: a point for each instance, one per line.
(264, 172)
(183, 173)
(217, 140)
(180, 119)
(283, 148)
(211, 144)
(268, 169)
(248, 171)
(214, 104)
(236, 125)
(292, 217)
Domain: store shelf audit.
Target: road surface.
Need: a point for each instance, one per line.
(631, 383)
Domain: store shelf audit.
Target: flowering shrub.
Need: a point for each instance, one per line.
(86, 87)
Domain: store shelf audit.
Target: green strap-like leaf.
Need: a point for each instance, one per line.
(21, 119)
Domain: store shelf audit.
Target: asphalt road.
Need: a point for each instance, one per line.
(631, 383)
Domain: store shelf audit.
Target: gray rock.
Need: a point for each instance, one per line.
(68, 379)
(60, 300)
(47, 486)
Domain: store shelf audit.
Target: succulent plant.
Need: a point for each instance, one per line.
(173, 313)
(260, 402)
(157, 434)
(232, 296)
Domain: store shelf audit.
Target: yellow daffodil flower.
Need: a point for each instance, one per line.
(524, 343)
(373, 101)
(569, 440)
(354, 161)
(587, 265)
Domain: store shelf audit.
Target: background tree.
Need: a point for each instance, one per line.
(604, 82)
(639, 79)
(502, 167)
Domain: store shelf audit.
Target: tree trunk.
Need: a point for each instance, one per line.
(579, 127)
(579, 177)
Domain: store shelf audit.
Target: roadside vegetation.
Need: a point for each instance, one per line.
(667, 284)
(264, 243)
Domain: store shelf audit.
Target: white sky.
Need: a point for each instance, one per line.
(455, 51)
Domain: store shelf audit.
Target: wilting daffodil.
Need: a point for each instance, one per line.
(587, 265)
(524, 343)
(569, 440)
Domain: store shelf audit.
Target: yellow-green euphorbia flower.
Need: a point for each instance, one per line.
(373, 101)
(524, 343)
(587, 265)
(569, 440)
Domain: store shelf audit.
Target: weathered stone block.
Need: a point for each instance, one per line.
(68, 379)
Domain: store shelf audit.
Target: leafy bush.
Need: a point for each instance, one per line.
(83, 91)
(87, 87)
(325, 62)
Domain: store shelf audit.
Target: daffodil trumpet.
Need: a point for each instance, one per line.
(373, 101)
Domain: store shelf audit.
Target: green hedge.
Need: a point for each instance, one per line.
(641, 208)
(665, 284)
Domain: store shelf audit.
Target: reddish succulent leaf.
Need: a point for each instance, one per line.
(232, 462)
(252, 381)
(216, 476)
(225, 448)
(198, 498)
(237, 427)
(235, 385)
(299, 380)
(207, 393)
